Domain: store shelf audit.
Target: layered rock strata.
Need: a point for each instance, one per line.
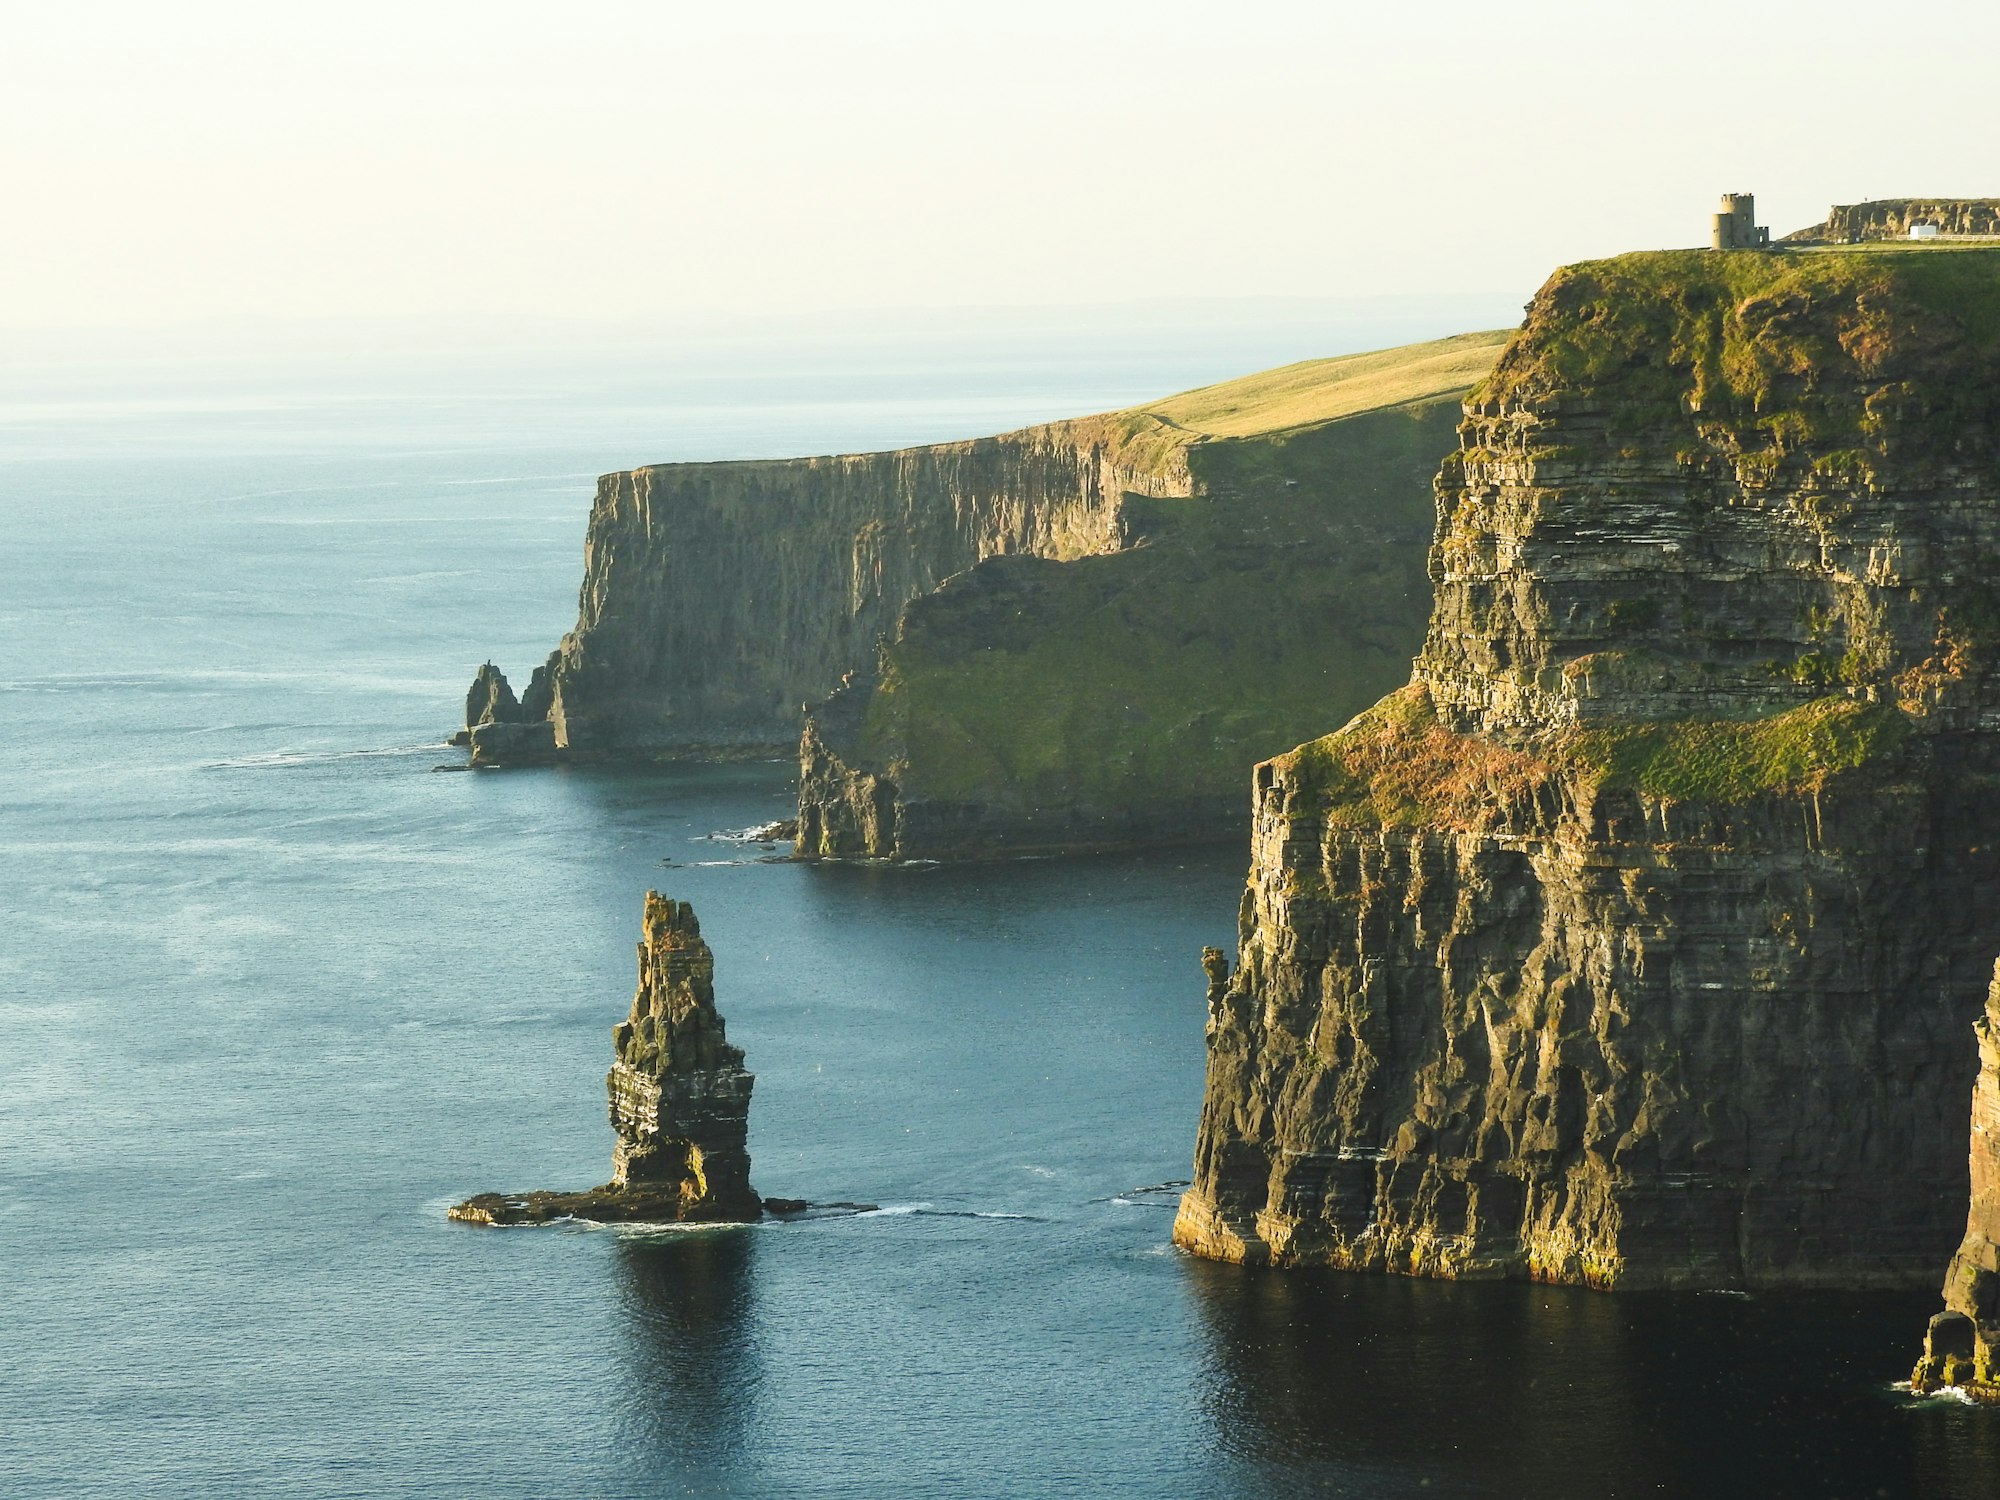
(680, 1100)
(502, 730)
(718, 597)
(1634, 942)
(1962, 1345)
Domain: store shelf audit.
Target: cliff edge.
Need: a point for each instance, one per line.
(1635, 941)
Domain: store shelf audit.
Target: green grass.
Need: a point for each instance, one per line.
(1167, 671)
(1324, 390)
(1172, 683)
(1395, 765)
(1812, 348)
(1724, 761)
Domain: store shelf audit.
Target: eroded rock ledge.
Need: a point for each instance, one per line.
(680, 1101)
(1635, 943)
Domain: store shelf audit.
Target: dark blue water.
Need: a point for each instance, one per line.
(273, 992)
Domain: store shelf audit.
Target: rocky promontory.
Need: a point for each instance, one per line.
(680, 1101)
(1635, 942)
(1035, 705)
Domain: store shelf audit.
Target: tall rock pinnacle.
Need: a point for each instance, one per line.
(680, 1096)
(680, 1100)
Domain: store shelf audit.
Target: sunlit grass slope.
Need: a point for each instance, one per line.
(1324, 390)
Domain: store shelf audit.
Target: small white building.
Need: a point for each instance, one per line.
(1923, 231)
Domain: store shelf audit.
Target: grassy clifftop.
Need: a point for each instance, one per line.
(1158, 435)
(1808, 346)
(1396, 766)
(1325, 390)
(1708, 540)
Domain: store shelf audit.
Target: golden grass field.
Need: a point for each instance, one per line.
(1323, 390)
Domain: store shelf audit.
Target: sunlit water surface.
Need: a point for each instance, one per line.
(274, 991)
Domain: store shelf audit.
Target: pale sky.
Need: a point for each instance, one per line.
(200, 161)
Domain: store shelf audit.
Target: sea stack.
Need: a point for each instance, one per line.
(680, 1100)
(1962, 1348)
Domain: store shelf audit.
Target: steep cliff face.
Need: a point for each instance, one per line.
(1962, 1346)
(1119, 700)
(680, 1100)
(1633, 944)
(719, 597)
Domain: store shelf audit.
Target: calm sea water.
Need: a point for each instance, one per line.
(273, 992)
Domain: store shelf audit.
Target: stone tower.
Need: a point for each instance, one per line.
(1735, 227)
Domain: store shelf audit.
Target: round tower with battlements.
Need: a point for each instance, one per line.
(1735, 227)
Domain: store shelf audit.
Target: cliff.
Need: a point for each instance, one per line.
(1891, 218)
(1962, 1345)
(719, 597)
(1634, 942)
(680, 1100)
(1031, 705)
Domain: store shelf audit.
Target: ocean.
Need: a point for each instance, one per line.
(275, 989)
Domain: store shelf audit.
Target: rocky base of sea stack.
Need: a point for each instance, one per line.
(1959, 1359)
(653, 1203)
(649, 1204)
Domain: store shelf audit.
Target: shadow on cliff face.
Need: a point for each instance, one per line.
(692, 1365)
(1328, 1383)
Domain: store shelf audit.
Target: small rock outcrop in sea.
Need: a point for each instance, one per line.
(1635, 942)
(502, 731)
(1962, 1346)
(680, 1101)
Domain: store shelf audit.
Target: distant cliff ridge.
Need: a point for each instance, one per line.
(719, 597)
(1893, 218)
(1637, 940)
